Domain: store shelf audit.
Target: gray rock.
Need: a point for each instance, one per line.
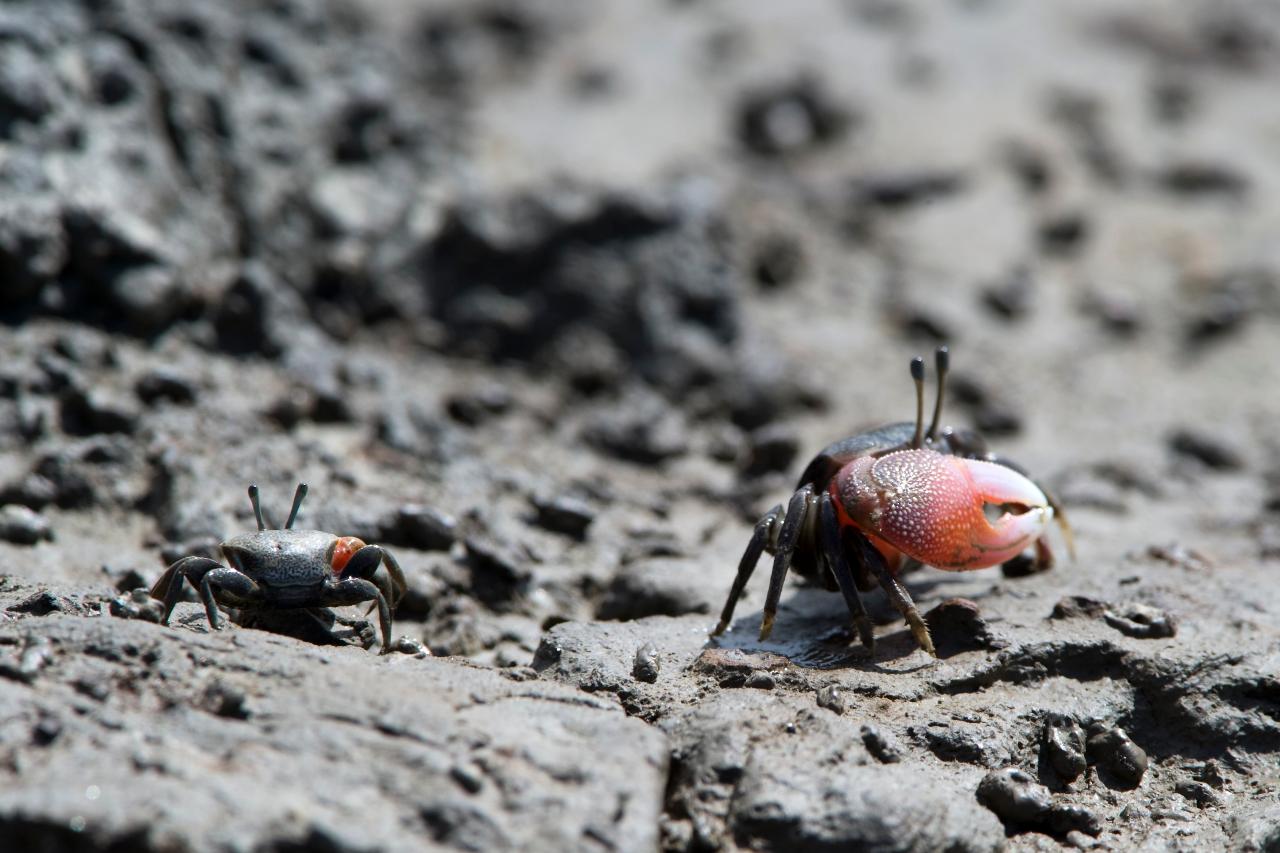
(537, 748)
(647, 666)
(851, 806)
(1116, 751)
(662, 587)
(23, 526)
(1139, 620)
(883, 746)
(137, 604)
(564, 514)
(829, 697)
(93, 411)
(1063, 747)
(1014, 796)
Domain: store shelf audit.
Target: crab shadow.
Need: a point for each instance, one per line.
(813, 631)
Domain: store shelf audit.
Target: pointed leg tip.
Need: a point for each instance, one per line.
(720, 628)
(923, 638)
(766, 627)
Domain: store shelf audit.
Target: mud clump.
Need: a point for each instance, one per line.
(1115, 751)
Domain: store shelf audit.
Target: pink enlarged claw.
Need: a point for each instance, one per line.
(934, 508)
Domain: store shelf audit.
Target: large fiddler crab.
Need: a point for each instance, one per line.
(287, 568)
(869, 506)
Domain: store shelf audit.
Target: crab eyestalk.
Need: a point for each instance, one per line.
(932, 507)
(298, 497)
(942, 363)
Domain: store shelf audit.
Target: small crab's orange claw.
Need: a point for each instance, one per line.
(343, 550)
(931, 507)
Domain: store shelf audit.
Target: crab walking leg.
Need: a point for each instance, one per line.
(763, 538)
(232, 588)
(798, 509)
(897, 594)
(364, 564)
(169, 587)
(358, 591)
(396, 576)
(838, 563)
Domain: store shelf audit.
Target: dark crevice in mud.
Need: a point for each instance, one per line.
(1034, 663)
(1206, 710)
(34, 835)
(1199, 711)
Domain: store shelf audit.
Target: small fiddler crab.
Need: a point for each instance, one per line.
(287, 568)
(873, 505)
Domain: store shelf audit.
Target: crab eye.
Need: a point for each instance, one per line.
(343, 548)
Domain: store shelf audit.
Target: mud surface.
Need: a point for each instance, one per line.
(553, 300)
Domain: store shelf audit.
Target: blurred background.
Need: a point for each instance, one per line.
(554, 298)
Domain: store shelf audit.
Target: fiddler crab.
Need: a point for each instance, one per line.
(868, 507)
(280, 569)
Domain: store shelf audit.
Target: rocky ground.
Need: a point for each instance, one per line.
(552, 300)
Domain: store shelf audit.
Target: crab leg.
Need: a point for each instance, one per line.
(872, 561)
(838, 564)
(764, 537)
(798, 510)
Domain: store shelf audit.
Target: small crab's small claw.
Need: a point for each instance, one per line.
(160, 589)
(932, 507)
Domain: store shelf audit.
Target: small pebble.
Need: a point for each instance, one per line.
(1198, 178)
(406, 645)
(1074, 606)
(1014, 796)
(137, 604)
(777, 261)
(1023, 566)
(904, 189)
(1066, 818)
(473, 408)
(125, 580)
(468, 777)
(1063, 234)
(94, 411)
(1222, 313)
(46, 731)
(1114, 750)
(421, 527)
(789, 118)
(646, 666)
(224, 700)
(760, 681)
(26, 665)
(23, 525)
(831, 698)
(1063, 747)
(165, 385)
(1206, 449)
(882, 746)
(1010, 299)
(957, 625)
(564, 514)
(40, 604)
(1143, 622)
(1198, 792)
